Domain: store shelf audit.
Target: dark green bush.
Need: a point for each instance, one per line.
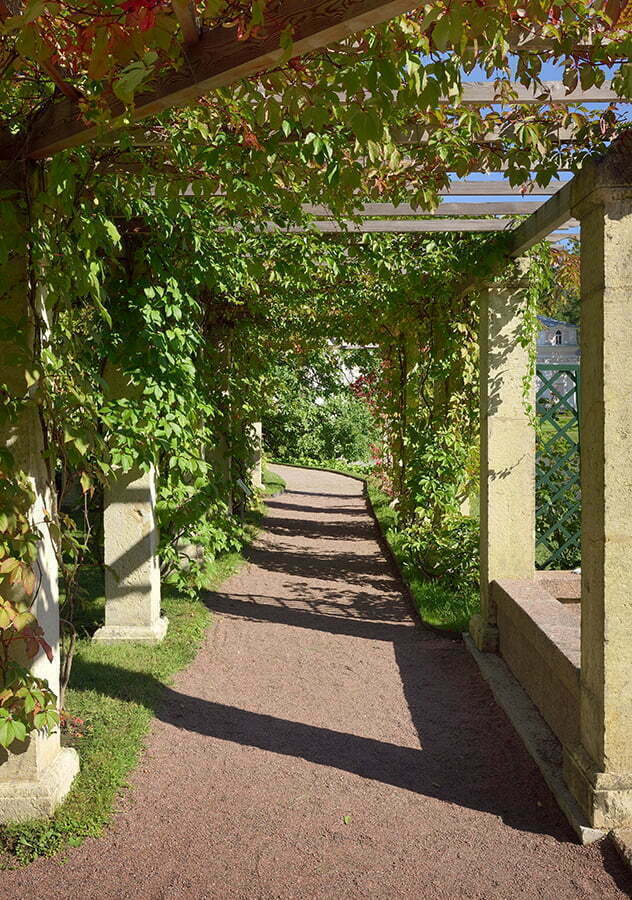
(558, 504)
(341, 427)
(448, 553)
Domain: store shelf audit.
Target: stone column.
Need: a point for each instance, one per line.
(132, 570)
(599, 771)
(35, 775)
(257, 457)
(220, 459)
(507, 440)
(131, 539)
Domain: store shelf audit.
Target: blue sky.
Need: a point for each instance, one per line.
(550, 72)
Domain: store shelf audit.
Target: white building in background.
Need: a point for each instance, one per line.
(558, 345)
(557, 342)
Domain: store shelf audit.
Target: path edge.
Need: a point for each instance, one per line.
(535, 734)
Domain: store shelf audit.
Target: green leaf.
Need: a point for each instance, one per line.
(128, 83)
(7, 732)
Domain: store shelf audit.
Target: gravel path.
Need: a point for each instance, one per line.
(324, 746)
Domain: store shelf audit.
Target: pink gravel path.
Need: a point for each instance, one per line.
(322, 745)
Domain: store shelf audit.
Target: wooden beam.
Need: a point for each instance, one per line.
(187, 19)
(613, 169)
(546, 219)
(556, 237)
(491, 188)
(404, 226)
(506, 207)
(412, 135)
(405, 136)
(486, 92)
(217, 59)
(497, 188)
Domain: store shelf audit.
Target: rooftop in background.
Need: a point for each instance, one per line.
(554, 323)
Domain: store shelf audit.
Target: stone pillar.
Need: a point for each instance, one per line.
(132, 570)
(257, 457)
(35, 775)
(131, 539)
(599, 771)
(220, 459)
(507, 440)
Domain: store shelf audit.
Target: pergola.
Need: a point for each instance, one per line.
(580, 683)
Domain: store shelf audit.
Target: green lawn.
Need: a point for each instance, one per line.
(114, 690)
(328, 465)
(437, 605)
(272, 483)
(547, 429)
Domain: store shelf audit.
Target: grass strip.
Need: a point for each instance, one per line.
(438, 605)
(273, 484)
(114, 690)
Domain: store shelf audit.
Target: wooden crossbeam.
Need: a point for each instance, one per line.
(217, 59)
(546, 219)
(556, 236)
(486, 92)
(419, 134)
(498, 188)
(503, 207)
(405, 226)
(491, 188)
(614, 169)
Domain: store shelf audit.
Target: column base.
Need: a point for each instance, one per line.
(605, 797)
(39, 797)
(143, 634)
(484, 635)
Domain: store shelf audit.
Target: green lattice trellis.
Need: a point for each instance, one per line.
(558, 492)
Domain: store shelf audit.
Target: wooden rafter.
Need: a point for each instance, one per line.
(613, 170)
(498, 188)
(419, 134)
(406, 226)
(495, 207)
(486, 92)
(217, 59)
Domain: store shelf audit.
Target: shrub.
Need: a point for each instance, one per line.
(558, 504)
(341, 427)
(448, 553)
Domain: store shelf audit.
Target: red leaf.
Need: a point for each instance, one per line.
(46, 647)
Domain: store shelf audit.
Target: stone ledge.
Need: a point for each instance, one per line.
(565, 586)
(539, 740)
(143, 634)
(21, 801)
(540, 642)
(555, 625)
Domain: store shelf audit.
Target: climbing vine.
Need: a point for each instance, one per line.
(167, 310)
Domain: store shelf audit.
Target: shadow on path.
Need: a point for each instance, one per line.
(468, 755)
(444, 767)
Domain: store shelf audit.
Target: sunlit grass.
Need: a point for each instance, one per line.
(114, 690)
(438, 605)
